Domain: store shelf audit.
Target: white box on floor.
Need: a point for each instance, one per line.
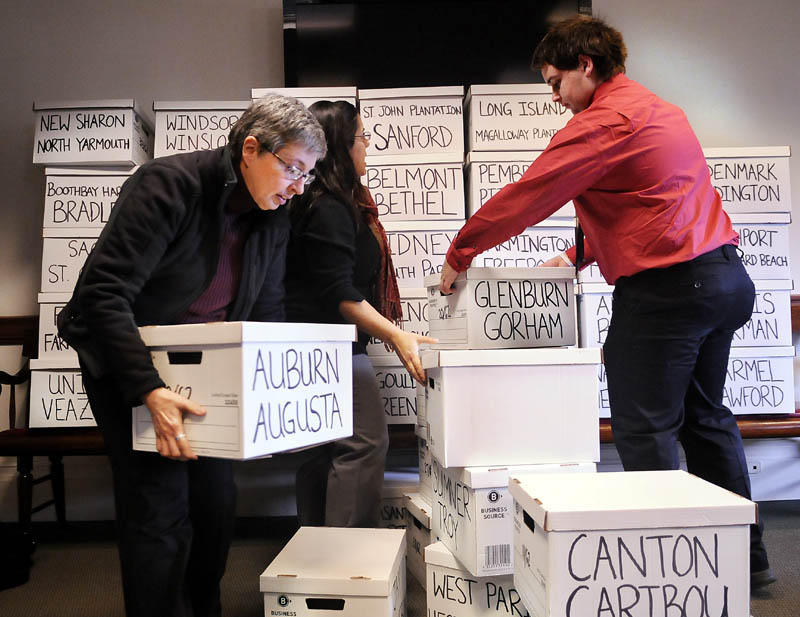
(397, 389)
(760, 380)
(418, 534)
(512, 406)
(453, 591)
(421, 187)
(344, 571)
(751, 179)
(427, 120)
(309, 96)
(267, 387)
(414, 302)
(397, 482)
(186, 126)
(51, 345)
(81, 197)
(764, 244)
(473, 510)
(655, 542)
(513, 116)
(488, 172)
(532, 247)
(57, 398)
(64, 251)
(106, 132)
(504, 307)
(418, 249)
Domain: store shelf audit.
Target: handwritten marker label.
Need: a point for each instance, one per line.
(192, 125)
(58, 399)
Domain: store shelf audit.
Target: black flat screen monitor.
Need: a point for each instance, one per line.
(392, 44)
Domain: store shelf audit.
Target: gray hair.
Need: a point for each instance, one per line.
(275, 121)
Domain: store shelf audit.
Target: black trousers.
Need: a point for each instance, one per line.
(174, 519)
(666, 357)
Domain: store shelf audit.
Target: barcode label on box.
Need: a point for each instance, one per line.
(497, 556)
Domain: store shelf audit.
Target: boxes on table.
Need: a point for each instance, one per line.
(51, 345)
(488, 172)
(512, 406)
(752, 180)
(512, 116)
(57, 398)
(398, 390)
(532, 247)
(760, 380)
(504, 307)
(309, 96)
(186, 126)
(64, 251)
(81, 197)
(451, 590)
(414, 302)
(397, 483)
(343, 571)
(422, 187)
(638, 542)
(266, 387)
(105, 132)
(427, 120)
(764, 244)
(419, 248)
(472, 512)
(418, 534)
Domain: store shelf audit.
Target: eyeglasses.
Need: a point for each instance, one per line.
(295, 173)
(365, 135)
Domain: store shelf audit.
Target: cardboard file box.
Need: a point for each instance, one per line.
(652, 542)
(107, 132)
(760, 380)
(51, 345)
(451, 590)
(421, 187)
(488, 172)
(266, 387)
(764, 244)
(57, 398)
(418, 249)
(473, 510)
(414, 302)
(532, 247)
(504, 307)
(513, 116)
(186, 126)
(414, 120)
(64, 251)
(751, 180)
(397, 482)
(418, 534)
(342, 571)
(81, 197)
(512, 406)
(422, 407)
(398, 390)
(425, 464)
(309, 96)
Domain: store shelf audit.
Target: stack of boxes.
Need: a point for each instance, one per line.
(88, 148)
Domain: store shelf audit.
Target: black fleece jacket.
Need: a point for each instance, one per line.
(156, 255)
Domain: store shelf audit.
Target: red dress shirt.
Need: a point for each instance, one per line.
(640, 184)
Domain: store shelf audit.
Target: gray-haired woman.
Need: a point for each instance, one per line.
(193, 238)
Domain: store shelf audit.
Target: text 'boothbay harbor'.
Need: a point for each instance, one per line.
(299, 392)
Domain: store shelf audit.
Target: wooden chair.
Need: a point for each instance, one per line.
(25, 443)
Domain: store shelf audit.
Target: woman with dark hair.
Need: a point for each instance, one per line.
(339, 270)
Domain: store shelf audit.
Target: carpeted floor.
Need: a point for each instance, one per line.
(79, 576)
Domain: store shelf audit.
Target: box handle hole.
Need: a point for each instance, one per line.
(325, 604)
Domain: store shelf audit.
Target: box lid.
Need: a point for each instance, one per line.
(222, 332)
(762, 352)
(497, 477)
(773, 284)
(61, 363)
(761, 151)
(756, 218)
(99, 104)
(520, 156)
(437, 554)
(51, 297)
(389, 360)
(408, 293)
(71, 232)
(421, 92)
(595, 288)
(627, 500)
(418, 507)
(90, 171)
(199, 105)
(336, 561)
(421, 432)
(329, 92)
(435, 358)
(381, 160)
(423, 225)
(477, 89)
(504, 274)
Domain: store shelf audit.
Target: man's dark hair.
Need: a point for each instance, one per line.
(581, 35)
